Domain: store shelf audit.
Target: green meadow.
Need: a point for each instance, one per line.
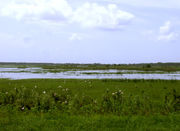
(72, 104)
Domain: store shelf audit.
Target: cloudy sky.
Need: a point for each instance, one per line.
(90, 31)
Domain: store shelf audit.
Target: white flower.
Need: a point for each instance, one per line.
(22, 108)
(6, 92)
(44, 92)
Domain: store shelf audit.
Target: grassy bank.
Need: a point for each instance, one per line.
(89, 104)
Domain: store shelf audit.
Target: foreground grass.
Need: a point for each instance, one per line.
(46, 104)
(59, 121)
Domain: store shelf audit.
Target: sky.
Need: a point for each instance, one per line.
(90, 31)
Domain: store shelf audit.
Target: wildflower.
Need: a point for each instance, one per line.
(35, 86)
(112, 93)
(59, 86)
(95, 102)
(6, 93)
(44, 92)
(22, 108)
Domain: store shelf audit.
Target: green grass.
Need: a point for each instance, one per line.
(107, 104)
(59, 121)
(129, 72)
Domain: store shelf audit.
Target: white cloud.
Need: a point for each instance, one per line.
(168, 37)
(166, 28)
(38, 9)
(166, 32)
(75, 36)
(94, 15)
(87, 15)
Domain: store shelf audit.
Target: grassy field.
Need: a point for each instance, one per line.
(62, 104)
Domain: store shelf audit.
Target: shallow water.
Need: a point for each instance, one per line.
(30, 73)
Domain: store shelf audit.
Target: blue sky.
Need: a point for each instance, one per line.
(90, 31)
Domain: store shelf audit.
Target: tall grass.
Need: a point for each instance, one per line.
(112, 101)
(46, 104)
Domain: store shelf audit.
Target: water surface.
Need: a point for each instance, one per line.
(34, 73)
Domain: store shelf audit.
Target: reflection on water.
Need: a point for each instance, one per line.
(30, 73)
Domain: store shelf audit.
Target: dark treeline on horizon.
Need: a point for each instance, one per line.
(130, 64)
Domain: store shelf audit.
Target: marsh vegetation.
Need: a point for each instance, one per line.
(97, 66)
(82, 102)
